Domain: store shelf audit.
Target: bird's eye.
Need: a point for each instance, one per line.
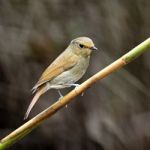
(81, 45)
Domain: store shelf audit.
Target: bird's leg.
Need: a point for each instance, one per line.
(75, 85)
(61, 96)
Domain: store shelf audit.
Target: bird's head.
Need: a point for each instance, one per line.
(82, 46)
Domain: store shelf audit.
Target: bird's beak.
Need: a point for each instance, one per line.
(94, 48)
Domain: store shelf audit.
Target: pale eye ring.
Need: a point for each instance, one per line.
(81, 45)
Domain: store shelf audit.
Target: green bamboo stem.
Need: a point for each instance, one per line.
(26, 128)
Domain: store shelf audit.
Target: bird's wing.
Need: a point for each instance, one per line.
(61, 64)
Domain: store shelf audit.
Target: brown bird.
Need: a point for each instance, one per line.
(65, 70)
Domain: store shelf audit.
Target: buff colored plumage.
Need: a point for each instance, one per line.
(65, 70)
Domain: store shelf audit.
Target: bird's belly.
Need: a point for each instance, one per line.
(70, 76)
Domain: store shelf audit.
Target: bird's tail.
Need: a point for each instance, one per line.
(40, 91)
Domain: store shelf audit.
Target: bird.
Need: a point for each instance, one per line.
(65, 70)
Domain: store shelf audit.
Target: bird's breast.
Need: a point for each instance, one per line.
(73, 74)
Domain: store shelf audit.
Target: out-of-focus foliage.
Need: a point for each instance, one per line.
(112, 115)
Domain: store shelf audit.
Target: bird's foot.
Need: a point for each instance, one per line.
(77, 85)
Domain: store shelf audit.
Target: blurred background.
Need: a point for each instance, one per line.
(114, 114)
